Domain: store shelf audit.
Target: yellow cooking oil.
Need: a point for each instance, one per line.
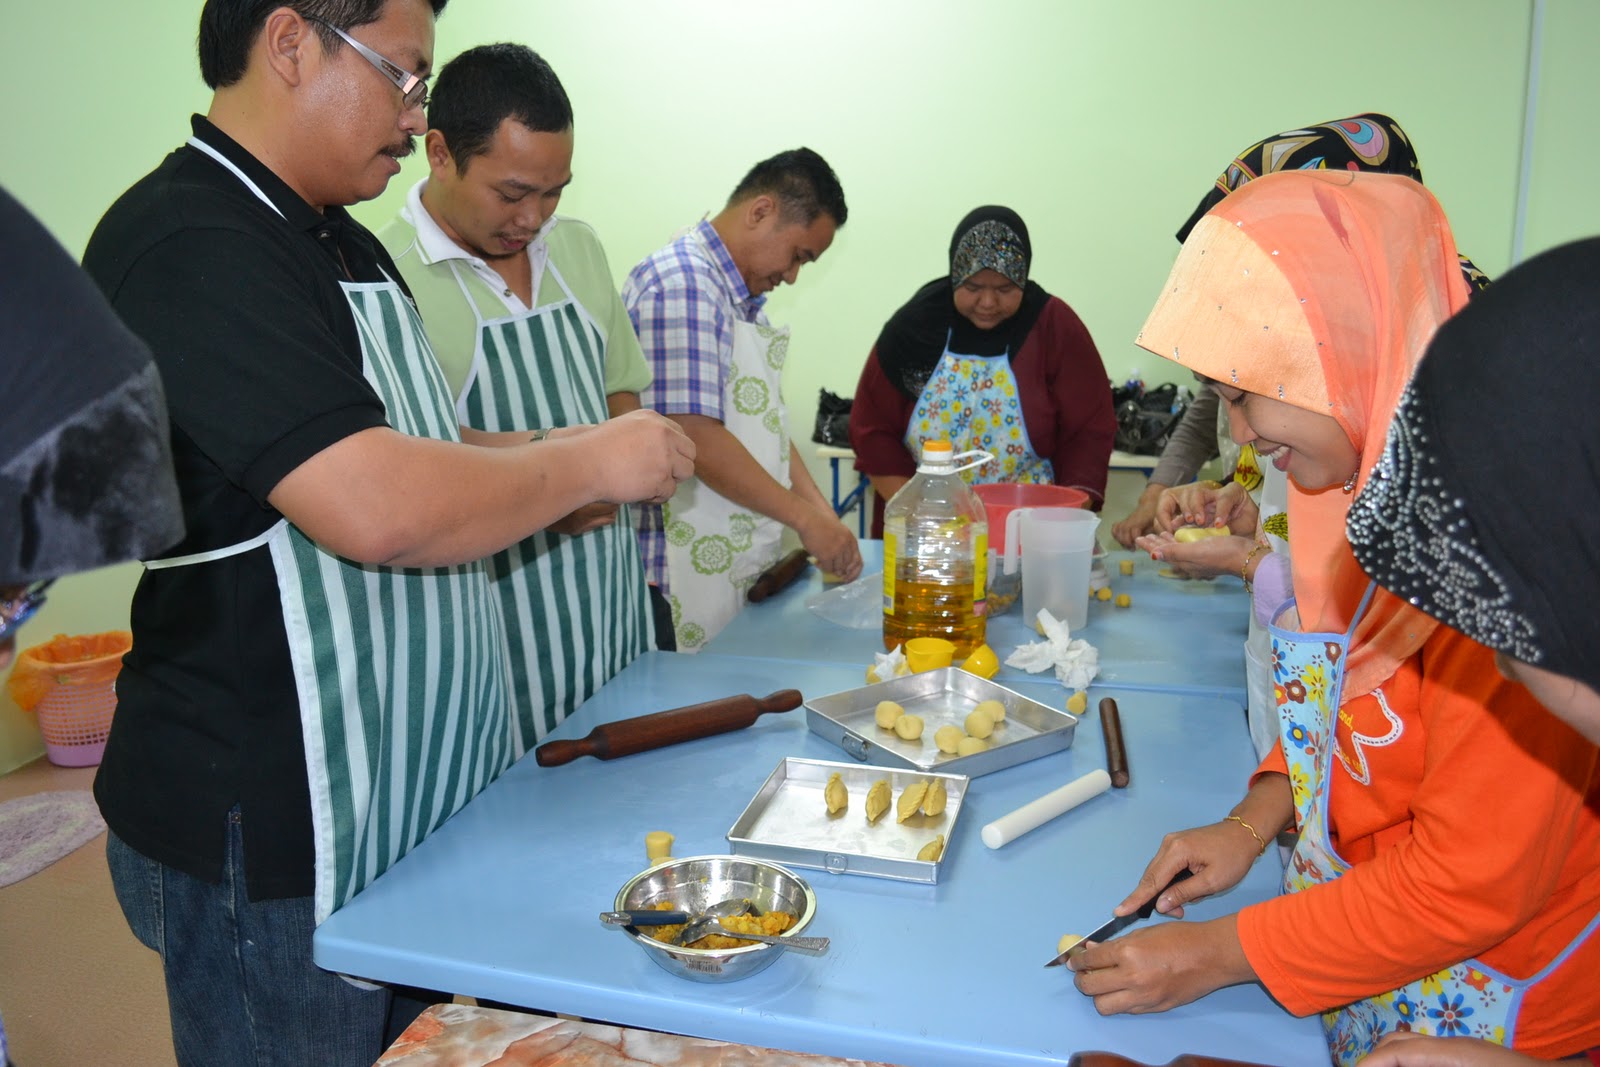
(935, 558)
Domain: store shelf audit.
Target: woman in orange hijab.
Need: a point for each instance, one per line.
(1444, 877)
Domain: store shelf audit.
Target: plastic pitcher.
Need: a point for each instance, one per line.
(1057, 547)
(1001, 498)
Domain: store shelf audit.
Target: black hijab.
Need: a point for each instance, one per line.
(1483, 507)
(913, 340)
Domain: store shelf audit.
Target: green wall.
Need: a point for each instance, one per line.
(1101, 122)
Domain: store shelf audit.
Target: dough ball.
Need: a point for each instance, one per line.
(1078, 702)
(980, 723)
(1124, 600)
(1190, 534)
(948, 738)
(933, 801)
(1126, 566)
(877, 799)
(932, 850)
(1104, 592)
(658, 845)
(910, 801)
(971, 746)
(835, 795)
(909, 727)
(996, 710)
(888, 711)
(1066, 942)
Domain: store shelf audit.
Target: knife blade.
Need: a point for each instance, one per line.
(1117, 924)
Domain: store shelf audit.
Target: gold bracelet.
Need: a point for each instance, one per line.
(1244, 571)
(1252, 829)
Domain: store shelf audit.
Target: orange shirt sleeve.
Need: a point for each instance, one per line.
(1472, 818)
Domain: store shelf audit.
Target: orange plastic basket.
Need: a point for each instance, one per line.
(71, 684)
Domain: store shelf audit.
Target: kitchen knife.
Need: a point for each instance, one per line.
(1118, 924)
(778, 577)
(662, 728)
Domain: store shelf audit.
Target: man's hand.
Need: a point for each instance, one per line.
(589, 517)
(640, 456)
(831, 543)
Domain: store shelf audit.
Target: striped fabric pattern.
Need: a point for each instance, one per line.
(586, 594)
(400, 671)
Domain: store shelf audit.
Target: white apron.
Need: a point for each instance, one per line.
(400, 672)
(716, 549)
(577, 609)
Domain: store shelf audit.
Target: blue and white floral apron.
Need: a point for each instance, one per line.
(400, 671)
(577, 609)
(1469, 999)
(972, 402)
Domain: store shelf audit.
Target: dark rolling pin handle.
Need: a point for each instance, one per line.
(1116, 751)
(779, 576)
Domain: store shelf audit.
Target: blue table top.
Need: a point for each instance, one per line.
(1178, 636)
(502, 901)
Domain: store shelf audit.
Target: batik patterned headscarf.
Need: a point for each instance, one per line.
(1468, 516)
(1320, 289)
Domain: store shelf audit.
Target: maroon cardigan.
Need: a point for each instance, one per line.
(1066, 407)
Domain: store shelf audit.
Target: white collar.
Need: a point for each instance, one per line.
(436, 246)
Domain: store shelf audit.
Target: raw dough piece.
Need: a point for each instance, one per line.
(1078, 702)
(1124, 600)
(835, 794)
(910, 801)
(877, 799)
(888, 711)
(948, 738)
(980, 723)
(1127, 566)
(932, 850)
(972, 745)
(996, 710)
(909, 727)
(1104, 592)
(1190, 534)
(658, 846)
(934, 800)
(1066, 942)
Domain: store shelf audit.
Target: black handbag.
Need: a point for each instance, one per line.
(1147, 417)
(833, 420)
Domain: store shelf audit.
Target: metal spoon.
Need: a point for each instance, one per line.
(811, 946)
(722, 908)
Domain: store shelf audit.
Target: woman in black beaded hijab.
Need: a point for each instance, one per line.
(1484, 507)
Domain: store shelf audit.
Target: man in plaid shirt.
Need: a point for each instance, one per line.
(717, 363)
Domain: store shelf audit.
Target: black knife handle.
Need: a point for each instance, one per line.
(1149, 906)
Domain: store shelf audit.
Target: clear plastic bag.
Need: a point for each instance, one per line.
(856, 605)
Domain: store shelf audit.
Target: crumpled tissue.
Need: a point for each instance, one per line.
(887, 665)
(1076, 661)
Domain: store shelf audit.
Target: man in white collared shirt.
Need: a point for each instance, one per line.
(522, 314)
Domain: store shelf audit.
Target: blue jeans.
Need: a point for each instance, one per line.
(241, 987)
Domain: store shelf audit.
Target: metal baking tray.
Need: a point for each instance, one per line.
(942, 697)
(788, 822)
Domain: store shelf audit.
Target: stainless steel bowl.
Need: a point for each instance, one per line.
(698, 881)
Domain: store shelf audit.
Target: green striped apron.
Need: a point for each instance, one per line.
(400, 672)
(577, 609)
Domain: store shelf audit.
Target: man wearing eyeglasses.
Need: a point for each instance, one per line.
(530, 333)
(317, 678)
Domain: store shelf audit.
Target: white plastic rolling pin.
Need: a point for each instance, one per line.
(1036, 813)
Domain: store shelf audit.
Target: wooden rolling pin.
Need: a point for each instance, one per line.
(663, 728)
(1187, 1059)
(1116, 752)
(778, 577)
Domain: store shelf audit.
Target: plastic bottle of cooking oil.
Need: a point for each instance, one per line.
(936, 555)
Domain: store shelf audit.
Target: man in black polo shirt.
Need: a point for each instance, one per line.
(317, 677)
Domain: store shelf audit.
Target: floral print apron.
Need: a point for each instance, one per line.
(1469, 999)
(972, 402)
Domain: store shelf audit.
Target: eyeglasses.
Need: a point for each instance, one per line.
(413, 89)
(18, 607)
